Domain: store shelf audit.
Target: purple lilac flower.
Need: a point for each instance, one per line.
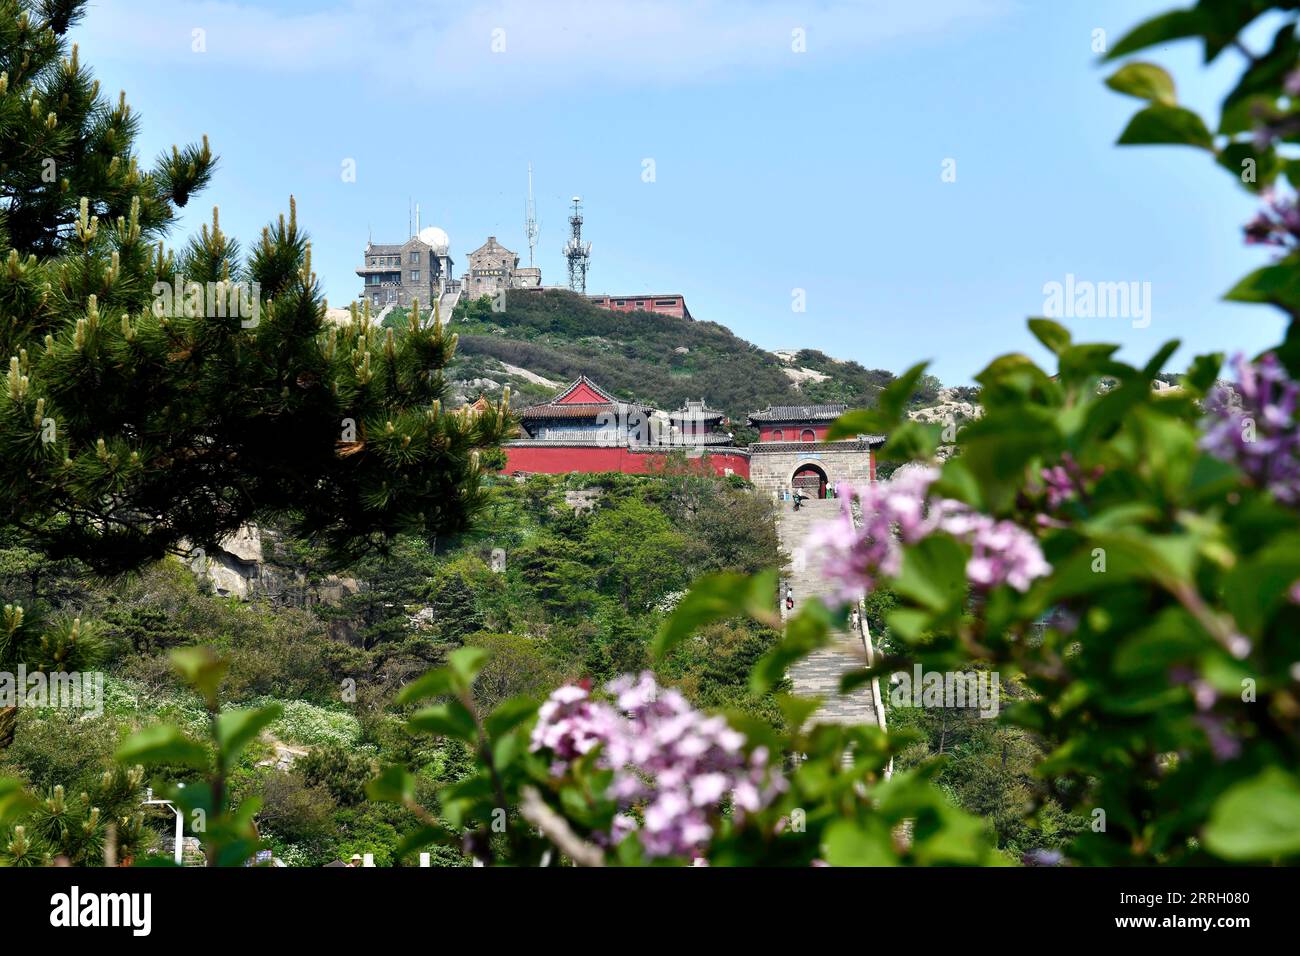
(1065, 480)
(1223, 743)
(853, 557)
(1060, 486)
(1276, 224)
(1259, 436)
(678, 765)
(899, 512)
(1002, 552)
(570, 725)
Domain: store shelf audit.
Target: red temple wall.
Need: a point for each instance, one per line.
(561, 459)
(792, 432)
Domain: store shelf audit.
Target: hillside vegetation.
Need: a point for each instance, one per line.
(642, 356)
(582, 592)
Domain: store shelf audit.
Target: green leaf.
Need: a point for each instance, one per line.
(852, 680)
(202, 669)
(163, 744)
(860, 421)
(1166, 126)
(1011, 374)
(934, 574)
(1237, 158)
(1260, 584)
(852, 844)
(998, 447)
(436, 683)
(395, 784)
(465, 663)
(426, 835)
(1257, 819)
(1203, 373)
(796, 710)
(14, 800)
(717, 597)
(1266, 74)
(1175, 25)
(890, 406)
(911, 441)
(1146, 81)
(1277, 284)
(508, 715)
(1052, 334)
(450, 719)
(1171, 639)
(235, 728)
(804, 633)
(1240, 116)
(1079, 363)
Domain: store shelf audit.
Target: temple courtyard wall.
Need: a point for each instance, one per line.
(772, 464)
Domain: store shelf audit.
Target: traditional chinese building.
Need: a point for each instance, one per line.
(792, 452)
(586, 429)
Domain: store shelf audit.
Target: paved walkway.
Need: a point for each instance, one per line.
(818, 674)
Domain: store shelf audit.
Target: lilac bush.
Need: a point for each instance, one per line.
(678, 766)
(901, 512)
(1259, 435)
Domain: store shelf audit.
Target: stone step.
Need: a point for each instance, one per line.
(818, 674)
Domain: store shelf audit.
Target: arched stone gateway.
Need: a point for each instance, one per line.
(778, 467)
(809, 479)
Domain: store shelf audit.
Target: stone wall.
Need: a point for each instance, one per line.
(772, 464)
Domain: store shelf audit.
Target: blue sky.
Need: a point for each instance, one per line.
(774, 170)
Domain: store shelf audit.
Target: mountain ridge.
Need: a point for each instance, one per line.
(555, 336)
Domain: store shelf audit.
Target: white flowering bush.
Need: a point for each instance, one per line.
(310, 725)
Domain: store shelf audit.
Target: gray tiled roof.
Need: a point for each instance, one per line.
(781, 447)
(580, 410)
(798, 413)
(696, 413)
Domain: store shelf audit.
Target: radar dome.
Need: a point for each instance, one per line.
(435, 237)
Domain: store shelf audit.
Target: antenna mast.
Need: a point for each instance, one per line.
(530, 218)
(578, 253)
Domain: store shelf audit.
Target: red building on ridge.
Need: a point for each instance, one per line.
(666, 304)
(584, 428)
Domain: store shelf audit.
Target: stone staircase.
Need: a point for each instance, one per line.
(447, 305)
(818, 674)
(383, 314)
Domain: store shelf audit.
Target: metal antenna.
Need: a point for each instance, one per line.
(530, 218)
(578, 253)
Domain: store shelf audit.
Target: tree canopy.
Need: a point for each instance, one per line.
(157, 399)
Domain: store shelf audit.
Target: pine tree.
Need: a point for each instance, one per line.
(155, 400)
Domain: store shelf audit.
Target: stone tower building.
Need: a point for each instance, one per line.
(420, 268)
(493, 267)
